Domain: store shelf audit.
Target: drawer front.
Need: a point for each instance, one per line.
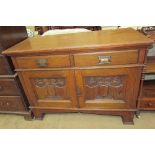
(148, 90)
(11, 104)
(106, 58)
(148, 104)
(42, 61)
(148, 93)
(8, 87)
(4, 68)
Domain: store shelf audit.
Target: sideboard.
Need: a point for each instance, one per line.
(12, 97)
(147, 94)
(92, 72)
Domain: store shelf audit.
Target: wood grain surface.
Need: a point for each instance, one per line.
(81, 41)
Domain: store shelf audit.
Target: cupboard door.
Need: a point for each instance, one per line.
(108, 88)
(50, 88)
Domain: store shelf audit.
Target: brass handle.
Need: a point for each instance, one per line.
(149, 104)
(104, 59)
(42, 62)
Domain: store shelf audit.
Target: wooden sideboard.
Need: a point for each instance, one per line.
(12, 97)
(147, 93)
(93, 72)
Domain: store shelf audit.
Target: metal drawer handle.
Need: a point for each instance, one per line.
(149, 104)
(104, 59)
(42, 62)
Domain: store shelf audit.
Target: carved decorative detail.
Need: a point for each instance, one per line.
(104, 88)
(50, 88)
(148, 30)
(103, 81)
(55, 82)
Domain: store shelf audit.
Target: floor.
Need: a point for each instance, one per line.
(76, 121)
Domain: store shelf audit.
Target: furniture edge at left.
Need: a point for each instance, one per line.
(12, 97)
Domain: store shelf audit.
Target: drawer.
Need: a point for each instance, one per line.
(148, 104)
(4, 66)
(106, 58)
(42, 61)
(8, 87)
(11, 103)
(148, 90)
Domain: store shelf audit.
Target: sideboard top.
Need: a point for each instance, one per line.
(106, 39)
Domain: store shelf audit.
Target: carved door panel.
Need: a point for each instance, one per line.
(108, 88)
(50, 88)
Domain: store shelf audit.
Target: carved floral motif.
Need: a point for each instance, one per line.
(104, 87)
(104, 81)
(148, 30)
(55, 82)
(50, 88)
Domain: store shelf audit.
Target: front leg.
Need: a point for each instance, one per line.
(37, 114)
(127, 118)
(138, 114)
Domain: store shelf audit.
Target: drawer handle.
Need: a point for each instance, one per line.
(1, 88)
(42, 62)
(104, 59)
(149, 104)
